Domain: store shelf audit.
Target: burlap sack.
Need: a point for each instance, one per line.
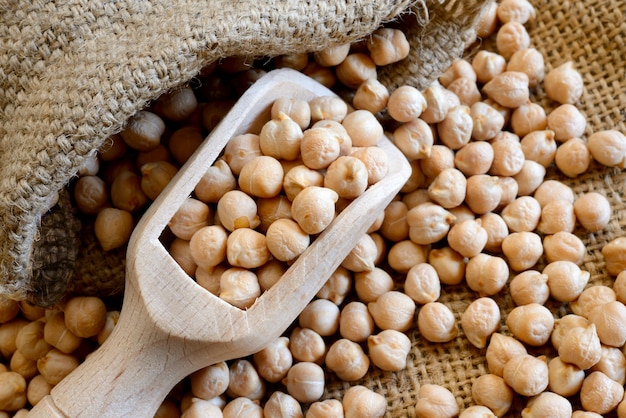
(591, 33)
(73, 72)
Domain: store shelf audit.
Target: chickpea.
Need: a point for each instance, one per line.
(246, 248)
(566, 280)
(322, 316)
(563, 325)
(483, 193)
(347, 360)
(355, 69)
(376, 162)
(85, 316)
(91, 194)
(428, 223)
(528, 118)
(337, 287)
(273, 362)
(491, 391)
(282, 405)
(370, 285)
(441, 158)
(531, 323)
(486, 121)
(508, 157)
(347, 176)
(510, 38)
(564, 84)
(435, 401)
(333, 55)
(565, 379)
(362, 257)
(615, 256)
(355, 322)
(488, 21)
(113, 228)
(414, 138)
(405, 254)
(612, 364)
(327, 108)
(593, 211)
(392, 310)
(520, 11)
(436, 322)
(37, 389)
(496, 229)
(143, 131)
(389, 349)
(297, 110)
(12, 391)
(23, 366)
(526, 375)
(208, 246)
(184, 142)
(486, 274)
(371, 95)
(325, 408)
(548, 404)
(305, 382)
(608, 147)
(406, 103)
(487, 65)
(459, 68)
(477, 411)
(239, 287)
(242, 406)
(522, 250)
(55, 365)
(200, 408)
(387, 46)
(528, 61)
(449, 188)
(500, 350)
(580, 346)
(610, 324)
(529, 177)
(261, 177)
(456, 129)
(468, 238)
(240, 149)
(474, 158)
(600, 394)
(466, 90)
(361, 402)
(422, 284)
(551, 190)
(155, 176)
(619, 287)
(58, 336)
(591, 298)
(307, 345)
(237, 210)
(523, 214)
(480, 320)
(450, 265)
(244, 381)
(323, 75)
(180, 250)
(113, 148)
(510, 189)
(573, 157)
(539, 146)
(190, 217)
(281, 138)
(529, 286)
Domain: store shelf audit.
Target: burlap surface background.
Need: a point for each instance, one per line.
(72, 72)
(592, 33)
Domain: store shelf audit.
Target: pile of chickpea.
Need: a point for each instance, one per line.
(479, 209)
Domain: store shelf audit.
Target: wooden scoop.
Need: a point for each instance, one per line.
(169, 326)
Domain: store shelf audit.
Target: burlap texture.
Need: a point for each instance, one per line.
(591, 33)
(73, 72)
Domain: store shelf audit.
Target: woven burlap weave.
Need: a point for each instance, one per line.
(591, 33)
(72, 72)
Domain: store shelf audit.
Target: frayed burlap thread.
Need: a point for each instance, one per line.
(592, 34)
(73, 71)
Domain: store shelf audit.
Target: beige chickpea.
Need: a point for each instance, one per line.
(376, 162)
(441, 158)
(422, 284)
(244, 380)
(566, 280)
(551, 190)
(612, 364)
(281, 404)
(491, 391)
(197, 408)
(466, 90)
(55, 365)
(305, 382)
(178, 104)
(347, 176)
(496, 229)
(392, 310)
(240, 149)
(113, 228)
(242, 406)
(600, 394)
(593, 211)
(405, 254)
(415, 198)
(462, 213)
(181, 253)
(523, 214)
(320, 315)
(615, 256)
(437, 105)
(619, 287)
(455, 130)
(261, 177)
(369, 285)
(298, 110)
(85, 316)
(307, 345)
(527, 118)
(371, 95)
(395, 227)
(567, 121)
(580, 346)
(468, 237)
(237, 210)
(363, 128)
(529, 177)
(539, 146)
(183, 142)
(510, 38)
(37, 389)
(450, 265)
(361, 402)
(487, 65)
(91, 194)
(521, 11)
(436, 322)
(58, 336)
(23, 366)
(280, 138)
(564, 246)
(486, 274)
(563, 325)
(387, 46)
(209, 278)
(406, 103)
(435, 401)
(486, 121)
(363, 256)
(208, 246)
(530, 286)
(483, 193)
(529, 61)
(500, 350)
(239, 287)
(557, 216)
(526, 375)
(211, 381)
(477, 411)
(355, 69)
(156, 175)
(564, 379)
(428, 223)
(347, 360)
(449, 188)
(531, 323)
(299, 178)
(325, 408)
(328, 108)
(508, 157)
(143, 131)
(338, 131)
(126, 192)
(189, 218)
(474, 158)
(564, 84)
(337, 287)
(459, 68)
(548, 404)
(510, 189)
(608, 147)
(610, 323)
(13, 391)
(480, 320)
(246, 248)
(355, 322)
(332, 55)
(488, 21)
(286, 240)
(273, 361)
(414, 138)
(573, 157)
(388, 350)
(509, 89)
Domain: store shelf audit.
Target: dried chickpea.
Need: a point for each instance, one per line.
(422, 284)
(510, 189)
(591, 298)
(190, 217)
(12, 391)
(327, 108)
(91, 194)
(325, 408)
(520, 11)
(474, 158)
(508, 157)
(539, 146)
(567, 122)
(369, 285)
(261, 177)
(529, 177)
(483, 193)
(363, 256)
(480, 320)
(406, 103)
(548, 404)
(199, 408)
(551, 190)
(322, 316)
(563, 325)
(527, 118)
(388, 350)
(450, 265)
(526, 375)
(58, 336)
(23, 366)
(355, 322)
(208, 246)
(435, 401)
(244, 381)
(566, 280)
(509, 89)
(155, 176)
(237, 210)
(436, 322)
(510, 38)
(112, 319)
(337, 287)
(355, 69)
(564, 84)
(361, 402)
(239, 287)
(180, 251)
(496, 229)
(55, 365)
(523, 214)
(332, 55)
(323, 75)
(428, 223)
(305, 382)
(564, 379)
(414, 138)
(143, 131)
(371, 95)
(395, 227)
(573, 157)
(240, 149)
(456, 129)
(580, 346)
(297, 110)
(612, 364)
(392, 310)
(522, 250)
(486, 274)
(85, 316)
(593, 211)
(37, 389)
(280, 404)
(298, 178)
(477, 411)
(113, 228)
(347, 176)
(491, 391)
(487, 65)
(459, 68)
(468, 237)
(273, 362)
(466, 90)
(500, 350)
(449, 188)
(615, 256)
(557, 216)
(531, 323)
(242, 406)
(307, 345)
(387, 46)
(530, 286)
(376, 162)
(608, 147)
(487, 21)
(441, 158)
(184, 142)
(246, 248)
(619, 287)
(529, 61)
(600, 394)
(347, 360)
(280, 138)
(405, 254)
(486, 121)
(610, 323)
